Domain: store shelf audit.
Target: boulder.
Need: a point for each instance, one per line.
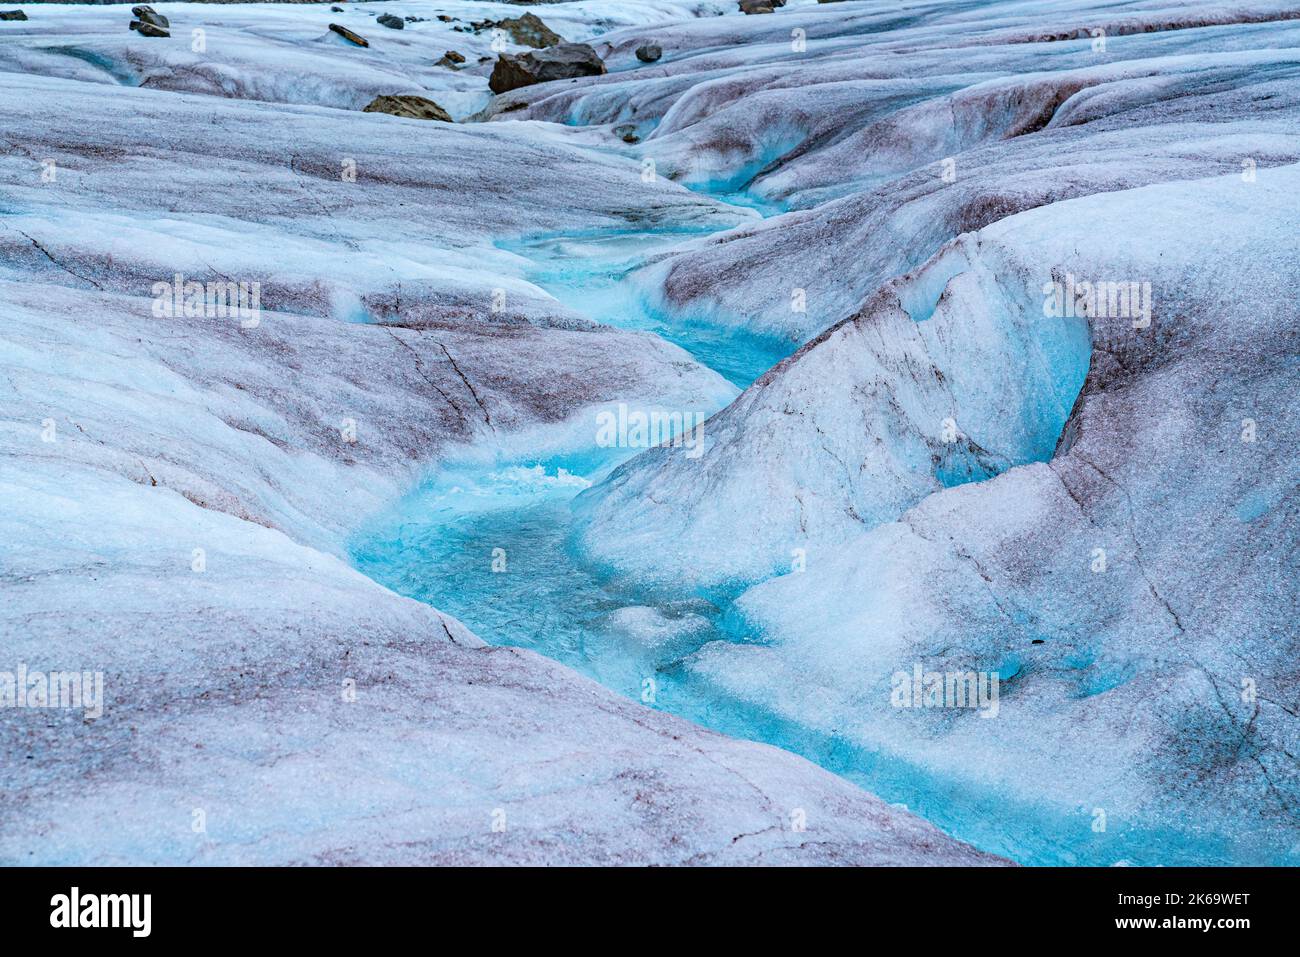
(347, 34)
(148, 15)
(649, 52)
(451, 59)
(561, 62)
(414, 107)
(527, 30)
(760, 6)
(12, 15)
(148, 29)
(149, 23)
(392, 22)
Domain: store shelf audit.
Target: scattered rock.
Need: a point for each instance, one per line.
(415, 107)
(149, 23)
(148, 29)
(392, 22)
(649, 52)
(336, 10)
(150, 16)
(12, 15)
(347, 34)
(451, 59)
(147, 14)
(561, 62)
(444, 18)
(760, 6)
(627, 133)
(527, 30)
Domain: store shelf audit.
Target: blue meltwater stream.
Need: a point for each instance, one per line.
(488, 539)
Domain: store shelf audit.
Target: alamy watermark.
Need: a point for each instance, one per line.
(625, 428)
(75, 909)
(212, 300)
(946, 689)
(54, 689)
(1101, 299)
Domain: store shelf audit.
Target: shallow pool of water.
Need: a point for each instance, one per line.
(593, 275)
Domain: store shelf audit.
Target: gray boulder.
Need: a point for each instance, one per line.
(148, 15)
(12, 15)
(561, 62)
(392, 22)
(649, 52)
(148, 23)
(414, 107)
(527, 30)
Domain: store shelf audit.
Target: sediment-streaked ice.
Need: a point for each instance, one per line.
(178, 489)
(1098, 507)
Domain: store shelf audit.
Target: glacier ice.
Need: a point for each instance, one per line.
(180, 491)
(349, 569)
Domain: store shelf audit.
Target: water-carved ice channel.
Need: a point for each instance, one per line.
(488, 539)
(595, 276)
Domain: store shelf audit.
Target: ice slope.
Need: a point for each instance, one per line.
(179, 534)
(889, 138)
(853, 245)
(1133, 584)
(177, 492)
(944, 461)
(286, 53)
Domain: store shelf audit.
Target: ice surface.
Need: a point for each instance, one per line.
(240, 525)
(286, 53)
(936, 476)
(1126, 685)
(180, 492)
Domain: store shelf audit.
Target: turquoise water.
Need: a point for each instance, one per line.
(490, 544)
(592, 274)
(488, 540)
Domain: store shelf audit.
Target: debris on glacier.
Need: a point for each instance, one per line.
(988, 312)
(181, 475)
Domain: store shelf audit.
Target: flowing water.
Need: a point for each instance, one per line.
(487, 539)
(591, 274)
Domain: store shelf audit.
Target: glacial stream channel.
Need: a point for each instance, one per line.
(437, 546)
